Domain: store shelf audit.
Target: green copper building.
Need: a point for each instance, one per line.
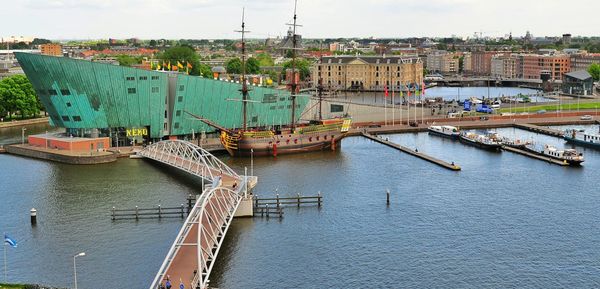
(98, 99)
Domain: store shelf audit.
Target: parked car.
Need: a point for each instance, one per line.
(586, 117)
(541, 111)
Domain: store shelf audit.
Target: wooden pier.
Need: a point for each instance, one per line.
(540, 129)
(274, 206)
(535, 156)
(450, 166)
(157, 212)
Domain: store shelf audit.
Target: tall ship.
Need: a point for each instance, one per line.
(316, 135)
(580, 137)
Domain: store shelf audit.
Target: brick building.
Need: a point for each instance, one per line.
(368, 72)
(52, 49)
(481, 62)
(583, 61)
(533, 65)
(442, 61)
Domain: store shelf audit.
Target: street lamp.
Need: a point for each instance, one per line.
(75, 267)
(251, 162)
(23, 135)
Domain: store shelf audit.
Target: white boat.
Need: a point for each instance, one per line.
(488, 142)
(570, 156)
(445, 131)
(580, 137)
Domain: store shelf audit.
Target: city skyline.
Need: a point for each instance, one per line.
(211, 19)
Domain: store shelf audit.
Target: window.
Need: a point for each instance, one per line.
(289, 106)
(52, 92)
(143, 77)
(254, 119)
(131, 90)
(154, 89)
(68, 104)
(180, 98)
(130, 78)
(272, 108)
(178, 113)
(181, 87)
(65, 92)
(176, 125)
(76, 118)
(65, 118)
(155, 77)
(282, 99)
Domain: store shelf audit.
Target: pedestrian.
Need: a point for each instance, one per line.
(181, 286)
(168, 284)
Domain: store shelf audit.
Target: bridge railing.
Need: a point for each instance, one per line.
(190, 158)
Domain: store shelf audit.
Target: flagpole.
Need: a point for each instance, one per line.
(393, 114)
(385, 105)
(4, 245)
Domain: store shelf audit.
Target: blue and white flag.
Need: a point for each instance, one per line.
(11, 242)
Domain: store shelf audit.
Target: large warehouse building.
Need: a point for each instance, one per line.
(96, 99)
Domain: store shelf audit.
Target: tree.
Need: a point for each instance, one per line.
(252, 66)
(265, 59)
(126, 60)
(205, 70)
(152, 43)
(594, 70)
(38, 41)
(234, 66)
(184, 54)
(301, 64)
(17, 94)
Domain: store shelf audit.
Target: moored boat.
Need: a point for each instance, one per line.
(570, 156)
(444, 131)
(488, 142)
(580, 137)
(514, 143)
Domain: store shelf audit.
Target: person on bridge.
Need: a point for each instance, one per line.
(168, 284)
(181, 286)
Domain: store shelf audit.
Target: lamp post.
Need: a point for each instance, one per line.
(75, 267)
(251, 162)
(23, 135)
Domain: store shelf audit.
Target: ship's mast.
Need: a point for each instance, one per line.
(294, 85)
(244, 89)
(320, 90)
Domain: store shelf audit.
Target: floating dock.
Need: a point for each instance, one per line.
(535, 156)
(540, 129)
(450, 166)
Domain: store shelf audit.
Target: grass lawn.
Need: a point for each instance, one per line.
(553, 107)
(11, 286)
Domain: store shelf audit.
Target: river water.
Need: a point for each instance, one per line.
(504, 221)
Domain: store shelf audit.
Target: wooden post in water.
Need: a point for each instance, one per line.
(387, 192)
(136, 213)
(256, 202)
(159, 212)
(267, 206)
(113, 213)
(278, 201)
(182, 211)
(319, 199)
(298, 199)
(189, 209)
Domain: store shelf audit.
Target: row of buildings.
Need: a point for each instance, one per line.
(500, 64)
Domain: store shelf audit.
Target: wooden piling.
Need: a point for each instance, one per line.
(387, 192)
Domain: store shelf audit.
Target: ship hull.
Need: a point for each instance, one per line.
(489, 147)
(582, 143)
(441, 134)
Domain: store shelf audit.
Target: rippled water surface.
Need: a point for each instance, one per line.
(504, 221)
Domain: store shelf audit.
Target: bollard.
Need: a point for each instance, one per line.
(319, 199)
(33, 215)
(387, 192)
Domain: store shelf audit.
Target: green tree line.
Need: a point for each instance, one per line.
(18, 96)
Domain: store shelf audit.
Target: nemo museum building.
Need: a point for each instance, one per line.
(128, 105)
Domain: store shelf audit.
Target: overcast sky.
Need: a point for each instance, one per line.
(175, 19)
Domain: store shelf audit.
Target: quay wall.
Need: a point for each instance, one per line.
(60, 157)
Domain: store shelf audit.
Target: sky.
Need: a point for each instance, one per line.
(217, 19)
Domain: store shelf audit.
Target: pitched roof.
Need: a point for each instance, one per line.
(580, 74)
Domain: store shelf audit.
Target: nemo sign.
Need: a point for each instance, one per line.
(133, 132)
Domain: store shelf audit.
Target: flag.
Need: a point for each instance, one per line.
(169, 66)
(157, 66)
(423, 88)
(174, 67)
(408, 89)
(189, 65)
(179, 65)
(11, 242)
(386, 91)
